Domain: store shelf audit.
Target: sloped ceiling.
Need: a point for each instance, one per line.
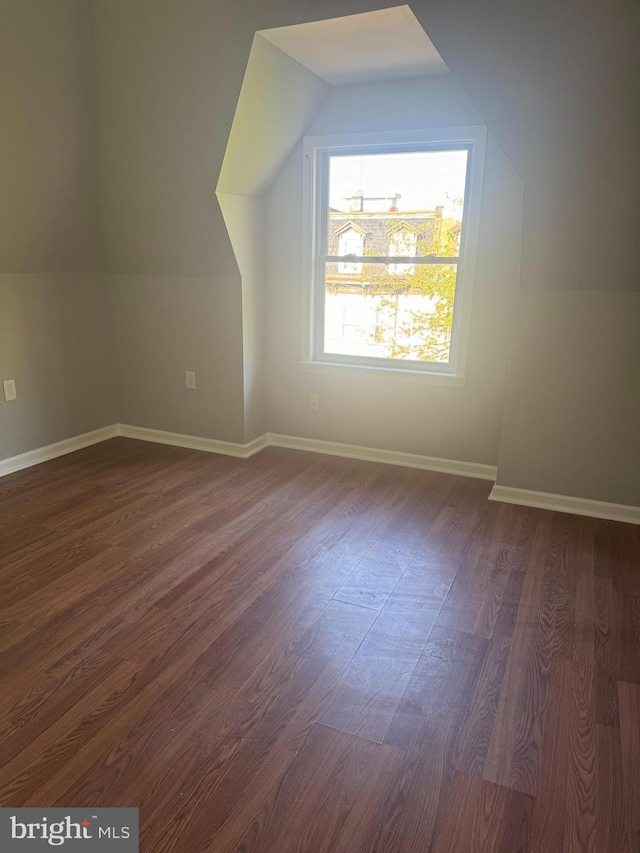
(277, 100)
(291, 71)
(383, 45)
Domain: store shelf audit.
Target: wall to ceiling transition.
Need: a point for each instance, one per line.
(53, 321)
(553, 81)
(279, 96)
(560, 94)
(167, 88)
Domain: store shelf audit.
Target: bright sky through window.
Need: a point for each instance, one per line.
(384, 205)
(423, 179)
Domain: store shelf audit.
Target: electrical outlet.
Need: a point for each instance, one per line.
(314, 404)
(190, 379)
(10, 391)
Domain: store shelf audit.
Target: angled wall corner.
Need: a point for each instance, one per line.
(415, 92)
(460, 423)
(54, 335)
(367, 72)
(557, 99)
(277, 100)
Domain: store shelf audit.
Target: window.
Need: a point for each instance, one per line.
(402, 242)
(393, 221)
(350, 242)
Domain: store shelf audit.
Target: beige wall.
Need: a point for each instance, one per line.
(245, 218)
(168, 79)
(48, 187)
(451, 422)
(54, 342)
(53, 319)
(164, 325)
(276, 102)
(572, 418)
(555, 83)
(552, 80)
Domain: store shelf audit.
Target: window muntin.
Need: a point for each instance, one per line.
(408, 278)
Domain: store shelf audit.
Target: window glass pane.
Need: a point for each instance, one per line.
(407, 202)
(395, 314)
(350, 242)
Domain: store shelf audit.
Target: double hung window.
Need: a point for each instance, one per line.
(393, 228)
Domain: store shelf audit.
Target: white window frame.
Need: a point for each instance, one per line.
(316, 151)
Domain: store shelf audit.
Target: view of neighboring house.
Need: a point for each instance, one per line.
(388, 310)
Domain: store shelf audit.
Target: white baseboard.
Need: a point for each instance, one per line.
(352, 451)
(209, 445)
(563, 503)
(60, 448)
(244, 451)
(505, 494)
(389, 457)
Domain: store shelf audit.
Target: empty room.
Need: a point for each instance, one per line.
(319, 426)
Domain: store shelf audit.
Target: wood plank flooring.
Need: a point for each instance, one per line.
(299, 652)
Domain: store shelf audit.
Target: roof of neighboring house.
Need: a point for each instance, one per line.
(349, 224)
(386, 214)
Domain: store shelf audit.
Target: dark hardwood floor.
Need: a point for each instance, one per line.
(299, 652)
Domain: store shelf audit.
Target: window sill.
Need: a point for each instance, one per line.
(384, 373)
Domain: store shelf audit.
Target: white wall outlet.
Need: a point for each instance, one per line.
(10, 391)
(314, 404)
(190, 379)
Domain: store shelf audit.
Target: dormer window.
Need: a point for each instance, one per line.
(403, 242)
(350, 242)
